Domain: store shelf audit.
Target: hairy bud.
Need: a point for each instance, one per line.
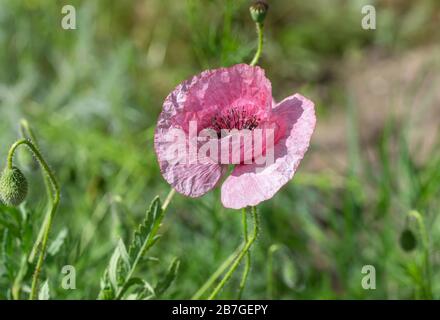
(13, 187)
(259, 11)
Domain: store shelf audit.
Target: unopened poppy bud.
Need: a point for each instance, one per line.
(259, 11)
(408, 240)
(13, 187)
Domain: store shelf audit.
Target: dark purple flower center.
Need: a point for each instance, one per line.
(234, 118)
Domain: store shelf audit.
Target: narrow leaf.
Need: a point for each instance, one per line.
(56, 245)
(44, 291)
(146, 232)
(171, 275)
(118, 266)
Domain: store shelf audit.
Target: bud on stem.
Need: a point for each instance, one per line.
(259, 11)
(13, 187)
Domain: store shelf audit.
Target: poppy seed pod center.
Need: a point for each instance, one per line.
(235, 118)
(259, 11)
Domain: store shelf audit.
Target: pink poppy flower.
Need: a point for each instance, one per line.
(239, 97)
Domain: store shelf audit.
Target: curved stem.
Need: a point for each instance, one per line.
(248, 255)
(40, 159)
(260, 30)
(27, 133)
(55, 202)
(240, 257)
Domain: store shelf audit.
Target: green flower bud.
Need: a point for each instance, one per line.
(13, 187)
(259, 11)
(408, 241)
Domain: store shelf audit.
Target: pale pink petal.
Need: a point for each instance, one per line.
(248, 185)
(238, 146)
(176, 104)
(213, 91)
(189, 179)
(192, 180)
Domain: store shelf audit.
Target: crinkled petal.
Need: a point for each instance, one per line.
(248, 185)
(190, 179)
(240, 86)
(175, 104)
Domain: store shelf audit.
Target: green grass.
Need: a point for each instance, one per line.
(93, 96)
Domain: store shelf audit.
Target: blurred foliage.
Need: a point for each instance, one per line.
(93, 96)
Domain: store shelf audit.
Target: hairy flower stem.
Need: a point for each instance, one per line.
(27, 133)
(55, 202)
(240, 257)
(248, 255)
(260, 31)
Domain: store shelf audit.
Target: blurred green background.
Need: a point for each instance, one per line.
(93, 96)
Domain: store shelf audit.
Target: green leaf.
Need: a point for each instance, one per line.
(118, 266)
(56, 245)
(145, 287)
(145, 236)
(107, 292)
(123, 263)
(44, 291)
(6, 249)
(171, 275)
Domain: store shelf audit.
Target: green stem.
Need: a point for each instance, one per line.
(213, 278)
(426, 262)
(16, 286)
(37, 242)
(27, 133)
(248, 255)
(240, 257)
(270, 288)
(260, 31)
(55, 202)
(34, 286)
(168, 199)
(40, 159)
